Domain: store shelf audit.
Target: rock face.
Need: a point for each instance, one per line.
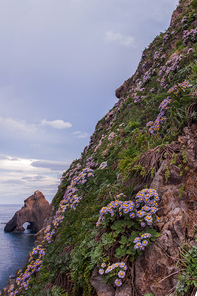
(157, 268)
(156, 271)
(34, 211)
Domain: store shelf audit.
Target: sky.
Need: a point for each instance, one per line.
(60, 64)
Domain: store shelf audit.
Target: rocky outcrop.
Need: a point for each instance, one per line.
(157, 268)
(34, 211)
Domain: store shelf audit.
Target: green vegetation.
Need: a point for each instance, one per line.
(194, 4)
(187, 279)
(126, 150)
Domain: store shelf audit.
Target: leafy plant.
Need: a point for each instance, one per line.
(187, 280)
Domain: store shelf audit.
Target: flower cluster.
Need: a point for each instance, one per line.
(99, 144)
(189, 35)
(69, 201)
(184, 19)
(48, 234)
(33, 266)
(73, 172)
(156, 55)
(11, 291)
(172, 65)
(164, 104)
(163, 82)
(90, 163)
(141, 242)
(154, 126)
(103, 165)
(147, 199)
(121, 266)
(137, 98)
(143, 209)
(181, 86)
(165, 38)
(163, 57)
(190, 50)
(111, 136)
(147, 75)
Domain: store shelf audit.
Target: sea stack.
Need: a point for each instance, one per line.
(34, 211)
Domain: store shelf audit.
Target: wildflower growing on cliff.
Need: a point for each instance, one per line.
(101, 271)
(146, 235)
(137, 246)
(136, 240)
(103, 265)
(103, 165)
(121, 274)
(144, 243)
(111, 136)
(143, 224)
(118, 282)
(132, 215)
(108, 269)
(122, 264)
(156, 55)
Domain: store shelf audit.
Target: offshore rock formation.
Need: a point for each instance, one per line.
(34, 211)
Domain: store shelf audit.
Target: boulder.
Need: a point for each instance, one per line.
(34, 211)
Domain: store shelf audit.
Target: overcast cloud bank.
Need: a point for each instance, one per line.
(60, 64)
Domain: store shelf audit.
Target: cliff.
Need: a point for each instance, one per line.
(125, 213)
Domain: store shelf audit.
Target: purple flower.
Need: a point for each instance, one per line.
(137, 246)
(121, 274)
(137, 240)
(143, 224)
(122, 264)
(146, 235)
(118, 282)
(132, 215)
(101, 271)
(144, 243)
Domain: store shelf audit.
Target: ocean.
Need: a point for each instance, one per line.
(14, 247)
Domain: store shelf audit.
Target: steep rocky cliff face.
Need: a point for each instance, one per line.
(126, 210)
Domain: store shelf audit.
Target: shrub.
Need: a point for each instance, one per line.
(179, 43)
(194, 4)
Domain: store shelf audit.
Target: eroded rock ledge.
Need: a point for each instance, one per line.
(34, 211)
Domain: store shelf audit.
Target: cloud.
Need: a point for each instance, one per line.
(52, 165)
(58, 124)
(3, 157)
(124, 40)
(79, 134)
(13, 182)
(16, 125)
(34, 178)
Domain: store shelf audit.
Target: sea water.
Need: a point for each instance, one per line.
(14, 247)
